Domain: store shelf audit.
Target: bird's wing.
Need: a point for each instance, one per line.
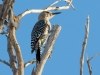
(37, 31)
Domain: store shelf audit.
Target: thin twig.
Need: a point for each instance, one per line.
(47, 9)
(70, 2)
(88, 62)
(84, 46)
(5, 62)
(29, 62)
(94, 56)
(52, 4)
(89, 66)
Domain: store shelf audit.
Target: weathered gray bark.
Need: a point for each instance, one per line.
(15, 44)
(84, 45)
(12, 56)
(88, 62)
(5, 7)
(48, 49)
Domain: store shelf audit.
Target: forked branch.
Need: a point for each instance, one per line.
(84, 45)
(88, 62)
(50, 7)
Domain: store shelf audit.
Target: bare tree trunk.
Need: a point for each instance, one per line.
(12, 57)
(14, 42)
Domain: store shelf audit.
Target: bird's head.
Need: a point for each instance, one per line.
(47, 15)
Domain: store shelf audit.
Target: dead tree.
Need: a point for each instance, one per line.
(84, 49)
(84, 45)
(8, 18)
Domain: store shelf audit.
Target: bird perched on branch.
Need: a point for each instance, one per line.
(40, 32)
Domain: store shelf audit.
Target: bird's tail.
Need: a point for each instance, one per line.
(38, 55)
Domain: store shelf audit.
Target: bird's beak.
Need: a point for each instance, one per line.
(56, 13)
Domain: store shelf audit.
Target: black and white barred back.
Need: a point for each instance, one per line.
(37, 32)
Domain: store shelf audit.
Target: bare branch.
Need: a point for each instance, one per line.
(52, 4)
(5, 62)
(48, 49)
(89, 66)
(94, 56)
(12, 56)
(88, 62)
(84, 46)
(15, 44)
(50, 7)
(6, 6)
(70, 2)
(29, 62)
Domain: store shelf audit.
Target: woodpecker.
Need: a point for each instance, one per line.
(40, 32)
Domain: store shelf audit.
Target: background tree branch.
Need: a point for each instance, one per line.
(5, 62)
(84, 45)
(89, 66)
(88, 62)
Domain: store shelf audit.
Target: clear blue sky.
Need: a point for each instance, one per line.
(68, 46)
